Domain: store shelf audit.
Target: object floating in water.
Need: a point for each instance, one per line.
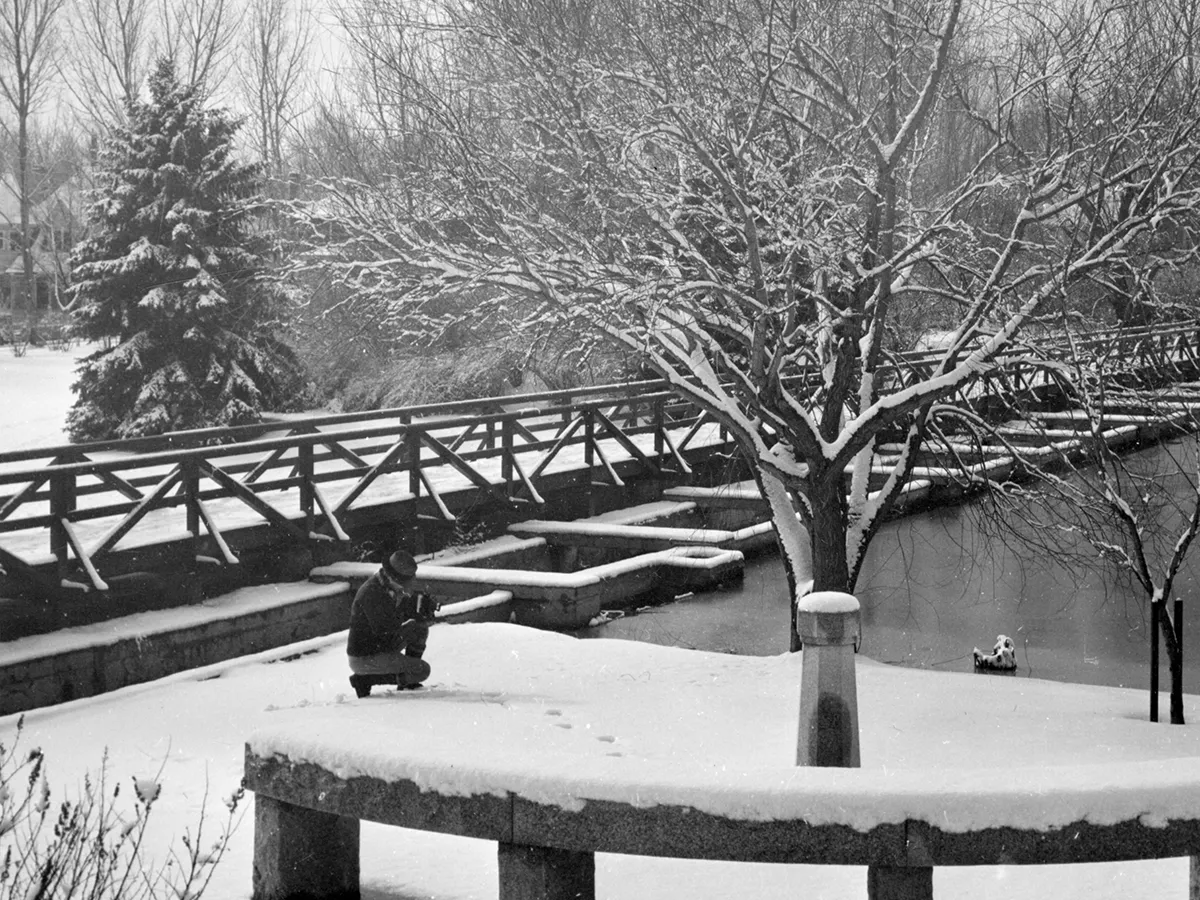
(1003, 655)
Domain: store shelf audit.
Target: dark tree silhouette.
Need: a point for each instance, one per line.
(172, 278)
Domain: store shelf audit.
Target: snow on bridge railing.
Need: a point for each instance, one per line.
(87, 501)
(71, 505)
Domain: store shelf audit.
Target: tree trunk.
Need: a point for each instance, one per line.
(827, 493)
(28, 291)
(1174, 665)
(1172, 640)
(793, 541)
(1127, 306)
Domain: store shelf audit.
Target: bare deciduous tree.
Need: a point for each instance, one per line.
(1138, 513)
(28, 43)
(113, 47)
(200, 35)
(275, 75)
(743, 196)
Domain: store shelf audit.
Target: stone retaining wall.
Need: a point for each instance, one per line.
(104, 657)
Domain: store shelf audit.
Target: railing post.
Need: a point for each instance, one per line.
(506, 458)
(412, 459)
(304, 464)
(189, 477)
(589, 456)
(62, 504)
(660, 425)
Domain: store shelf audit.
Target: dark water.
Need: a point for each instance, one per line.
(936, 585)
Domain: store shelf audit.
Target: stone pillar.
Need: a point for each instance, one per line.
(546, 873)
(829, 629)
(899, 883)
(301, 852)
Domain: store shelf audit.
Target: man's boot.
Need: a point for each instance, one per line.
(362, 684)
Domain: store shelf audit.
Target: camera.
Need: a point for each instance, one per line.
(427, 607)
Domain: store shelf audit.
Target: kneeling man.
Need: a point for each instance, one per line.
(389, 625)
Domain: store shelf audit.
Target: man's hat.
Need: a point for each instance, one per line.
(400, 566)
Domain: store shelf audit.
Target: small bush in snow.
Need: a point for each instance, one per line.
(94, 846)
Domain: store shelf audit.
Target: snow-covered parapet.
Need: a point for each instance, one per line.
(1080, 753)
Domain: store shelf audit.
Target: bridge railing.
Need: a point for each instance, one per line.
(304, 478)
(73, 505)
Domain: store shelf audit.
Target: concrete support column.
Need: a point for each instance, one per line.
(303, 853)
(546, 873)
(899, 883)
(828, 625)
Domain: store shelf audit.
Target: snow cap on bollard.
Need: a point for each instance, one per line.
(829, 619)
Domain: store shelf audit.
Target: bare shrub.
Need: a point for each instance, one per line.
(94, 846)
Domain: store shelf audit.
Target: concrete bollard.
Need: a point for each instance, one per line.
(828, 623)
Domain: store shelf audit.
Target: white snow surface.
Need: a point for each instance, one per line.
(567, 721)
(953, 728)
(512, 708)
(828, 602)
(35, 394)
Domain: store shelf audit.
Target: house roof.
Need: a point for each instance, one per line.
(48, 207)
(44, 263)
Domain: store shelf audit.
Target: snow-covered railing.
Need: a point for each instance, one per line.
(1021, 373)
(70, 506)
(74, 505)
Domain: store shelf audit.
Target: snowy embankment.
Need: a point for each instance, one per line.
(532, 704)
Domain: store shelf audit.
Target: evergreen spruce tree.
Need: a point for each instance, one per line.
(172, 280)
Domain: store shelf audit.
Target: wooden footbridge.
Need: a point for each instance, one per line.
(212, 509)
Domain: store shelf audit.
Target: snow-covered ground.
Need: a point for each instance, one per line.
(194, 725)
(649, 703)
(35, 394)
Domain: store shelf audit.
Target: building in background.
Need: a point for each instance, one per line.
(55, 226)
